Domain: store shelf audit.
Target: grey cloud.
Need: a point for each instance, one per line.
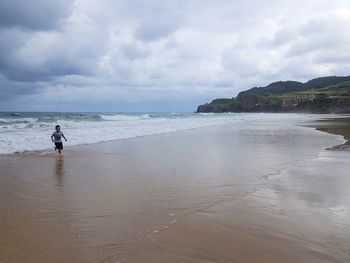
(282, 37)
(313, 27)
(11, 89)
(10, 40)
(134, 52)
(34, 14)
(38, 55)
(333, 57)
(320, 35)
(160, 19)
(239, 64)
(153, 29)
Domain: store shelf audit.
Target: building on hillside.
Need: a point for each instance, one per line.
(301, 98)
(289, 103)
(306, 97)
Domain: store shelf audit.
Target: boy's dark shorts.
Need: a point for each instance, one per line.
(59, 145)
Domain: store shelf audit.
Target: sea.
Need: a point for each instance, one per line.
(31, 131)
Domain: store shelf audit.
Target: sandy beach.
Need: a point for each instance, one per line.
(340, 126)
(259, 191)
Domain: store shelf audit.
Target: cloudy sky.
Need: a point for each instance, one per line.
(162, 55)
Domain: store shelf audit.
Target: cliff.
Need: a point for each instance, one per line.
(320, 95)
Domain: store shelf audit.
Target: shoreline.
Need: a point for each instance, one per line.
(337, 124)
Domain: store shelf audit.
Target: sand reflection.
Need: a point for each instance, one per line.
(59, 170)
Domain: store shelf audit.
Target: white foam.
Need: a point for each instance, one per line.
(120, 117)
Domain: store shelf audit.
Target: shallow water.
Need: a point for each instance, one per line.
(98, 202)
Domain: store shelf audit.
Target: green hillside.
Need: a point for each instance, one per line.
(340, 89)
(321, 95)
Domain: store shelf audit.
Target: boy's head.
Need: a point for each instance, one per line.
(57, 128)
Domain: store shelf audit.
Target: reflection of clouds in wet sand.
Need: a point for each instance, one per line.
(311, 198)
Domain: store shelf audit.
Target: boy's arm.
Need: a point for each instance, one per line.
(52, 138)
(64, 137)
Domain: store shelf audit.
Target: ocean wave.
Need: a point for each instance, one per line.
(69, 117)
(125, 117)
(33, 133)
(9, 121)
(206, 113)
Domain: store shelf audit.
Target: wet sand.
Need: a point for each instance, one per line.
(253, 192)
(339, 125)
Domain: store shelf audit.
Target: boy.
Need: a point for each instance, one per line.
(56, 138)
